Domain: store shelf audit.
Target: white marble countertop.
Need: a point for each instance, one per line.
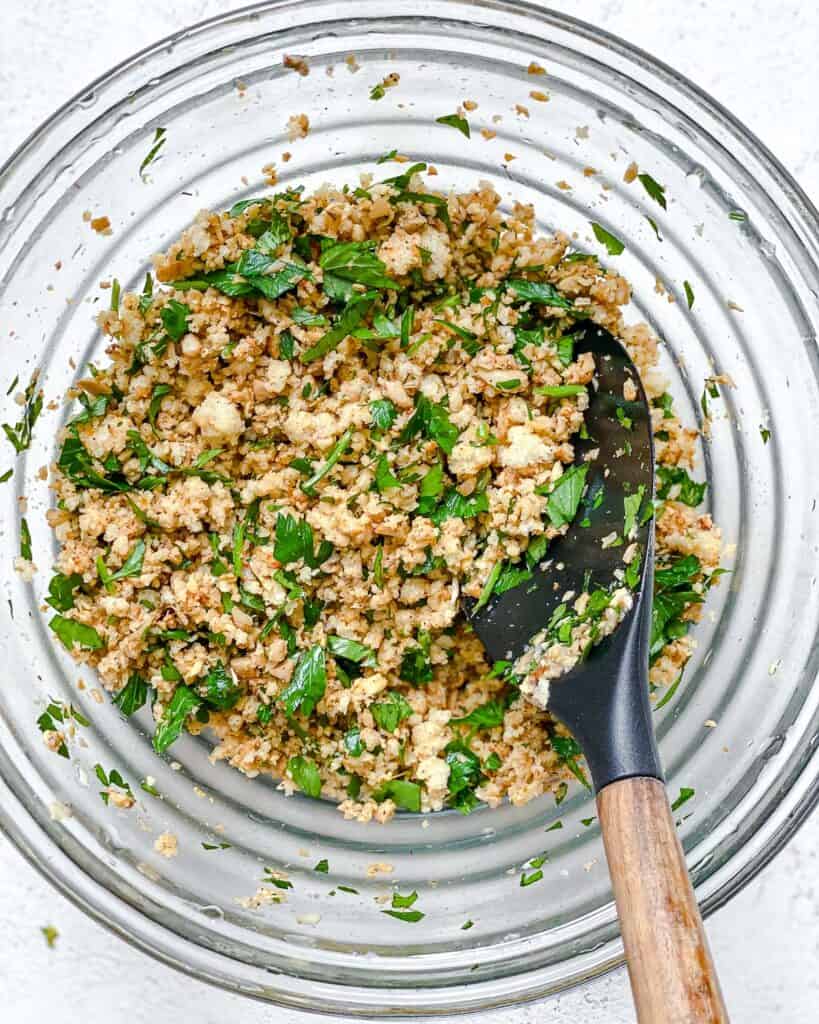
(760, 60)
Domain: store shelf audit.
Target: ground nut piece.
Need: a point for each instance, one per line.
(218, 418)
(524, 448)
(400, 253)
(433, 246)
(318, 430)
(468, 458)
(278, 374)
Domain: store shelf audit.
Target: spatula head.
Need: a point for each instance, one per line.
(609, 689)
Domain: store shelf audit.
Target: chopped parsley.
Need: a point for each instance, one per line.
(404, 794)
(182, 705)
(673, 593)
(674, 482)
(133, 695)
(484, 716)
(110, 780)
(613, 244)
(305, 774)
(653, 188)
(382, 413)
(72, 633)
(684, 796)
(390, 712)
(307, 684)
(430, 419)
(153, 153)
(539, 292)
(568, 752)
(455, 121)
(564, 495)
(689, 294)
(20, 434)
(174, 317)
(61, 591)
(333, 456)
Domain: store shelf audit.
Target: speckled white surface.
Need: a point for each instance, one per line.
(759, 59)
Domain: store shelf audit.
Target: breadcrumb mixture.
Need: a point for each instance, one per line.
(332, 426)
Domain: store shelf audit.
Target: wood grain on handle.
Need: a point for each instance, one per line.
(670, 967)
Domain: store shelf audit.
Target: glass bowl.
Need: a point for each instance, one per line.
(735, 226)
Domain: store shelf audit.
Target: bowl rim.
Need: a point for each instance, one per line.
(53, 859)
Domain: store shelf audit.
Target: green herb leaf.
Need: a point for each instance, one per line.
(153, 153)
(378, 567)
(560, 390)
(157, 395)
(431, 420)
(132, 696)
(654, 227)
(531, 878)
(175, 318)
(684, 570)
(568, 753)
(353, 743)
(294, 539)
(685, 794)
(654, 189)
(132, 566)
(455, 121)
(352, 650)
(406, 795)
(61, 591)
(357, 262)
(221, 691)
(565, 350)
(416, 667)
(183, 703)
(430, 489)
(335, 453)
(391, 711)
(689, 294)
(19, 435)
(613, 244)
(71, 633)
(465, 776)
(382, 413)
(540, 292)
(25, 540)
(305, 774)
(676, 479)
(564, 497)
(402, 181)
(631, 510)
(485, 716)
(304, 318)
(457, 506)
(385, 480)
(411, 916)
(307, 684)
(354, 312)
(323, 866)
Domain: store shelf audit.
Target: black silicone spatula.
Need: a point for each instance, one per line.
(604, 700)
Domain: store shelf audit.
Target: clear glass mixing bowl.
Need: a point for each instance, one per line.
(736, 227)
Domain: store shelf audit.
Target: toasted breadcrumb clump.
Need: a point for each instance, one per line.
(166, 845)
(298, 126)
(326, 431)
(297, 64)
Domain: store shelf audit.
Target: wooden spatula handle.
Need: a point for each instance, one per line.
(670, 967)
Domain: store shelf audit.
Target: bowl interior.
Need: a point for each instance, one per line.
(731, 226)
